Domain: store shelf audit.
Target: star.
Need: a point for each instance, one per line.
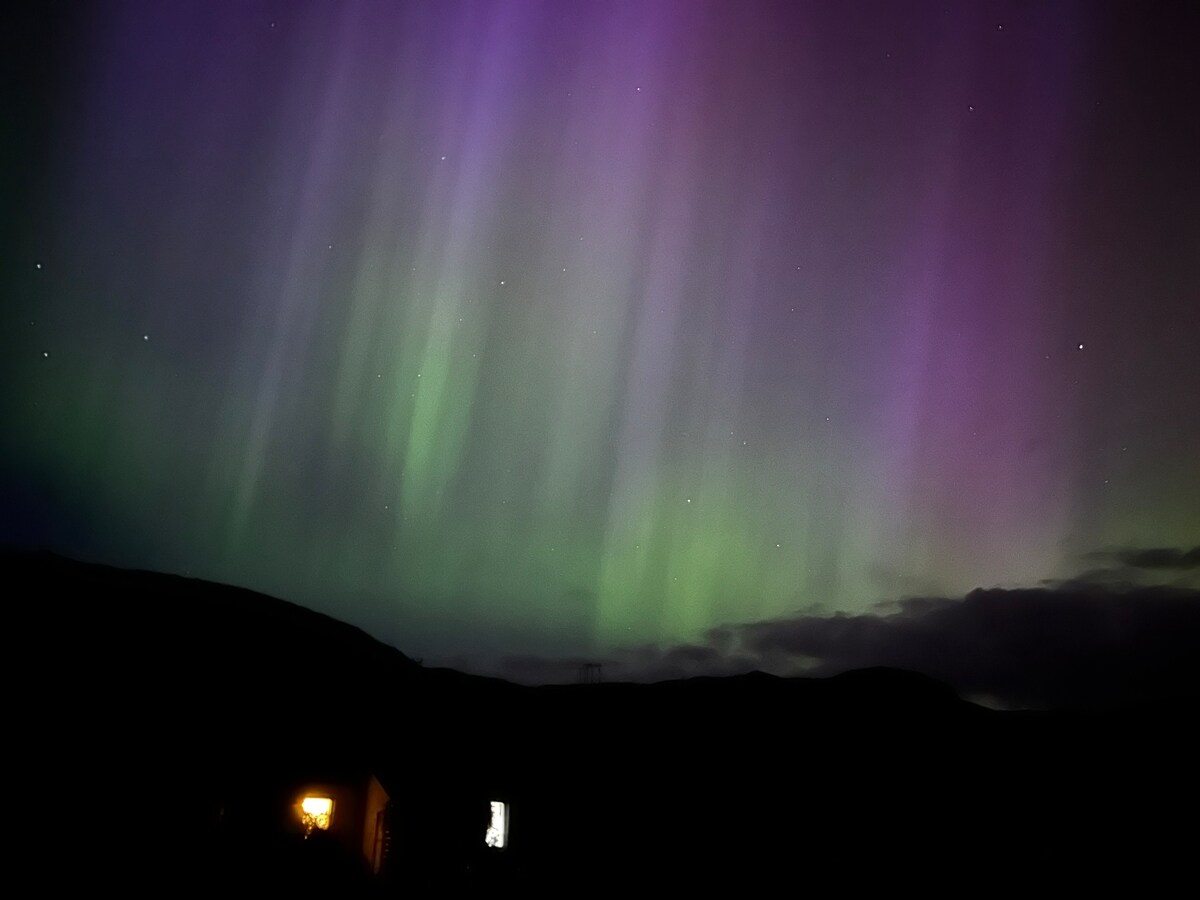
(145, 337)
(37, 265)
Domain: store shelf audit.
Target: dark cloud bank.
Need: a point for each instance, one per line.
(1101, 641)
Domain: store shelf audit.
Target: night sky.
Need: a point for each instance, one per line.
(524, 331)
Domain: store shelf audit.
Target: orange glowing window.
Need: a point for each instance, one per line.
(316, 812)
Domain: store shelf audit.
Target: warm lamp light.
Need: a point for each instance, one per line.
(316, 812)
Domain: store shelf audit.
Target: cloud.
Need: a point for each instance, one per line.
(1072, 645)
(533, 669)
(1153, 558)
(651, 663)
(645, 663)
(1075, 645)
(1104, 639)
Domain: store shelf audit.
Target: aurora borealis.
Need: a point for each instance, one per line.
(557, 327)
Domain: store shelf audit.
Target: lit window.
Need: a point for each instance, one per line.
(315, 812)
(497, 830)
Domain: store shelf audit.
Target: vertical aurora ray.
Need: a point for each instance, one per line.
(554, 327)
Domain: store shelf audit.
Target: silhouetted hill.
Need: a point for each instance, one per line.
(131, 641)
(176, 701)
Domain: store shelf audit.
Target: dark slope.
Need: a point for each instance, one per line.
(176, 701)
(160, 650)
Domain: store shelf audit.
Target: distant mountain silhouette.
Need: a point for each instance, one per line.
(147, 707)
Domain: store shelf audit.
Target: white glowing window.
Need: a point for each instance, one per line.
(316, 812)
(497, 830)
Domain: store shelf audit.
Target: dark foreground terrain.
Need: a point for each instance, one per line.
(164, 728)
